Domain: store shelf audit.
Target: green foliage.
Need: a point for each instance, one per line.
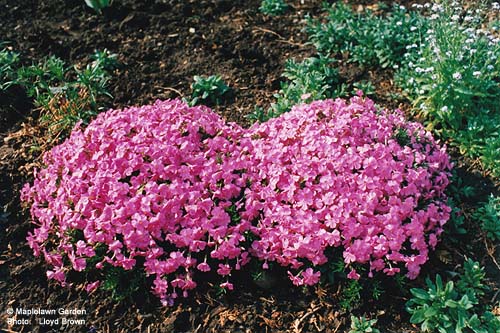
(207, 89)
(123, 283)
(453, 309)
(471, 281)
(376, 289)
(105, 60)
(351, 295)
(366, 87)
(273, 7)
(308, 80)
(64, 95)
(489, 217)
(260, 115)
(311, 79)
(8, 63)
(98, 5)
(365, 38)
(452, 76)
(456, 224)
(363, 325)
(458, 190)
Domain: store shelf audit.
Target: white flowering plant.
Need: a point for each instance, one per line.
(452, 76)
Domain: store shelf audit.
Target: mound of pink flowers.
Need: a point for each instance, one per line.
(174, 191)
(154, 182)
(334, 174)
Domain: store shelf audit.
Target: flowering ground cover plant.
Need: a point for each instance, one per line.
(173, 191)
(342, 174)
(147, 186)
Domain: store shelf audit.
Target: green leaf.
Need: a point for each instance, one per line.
(442, 330)
(439, 283)
(430, 312)
(425, 326)
(451, 304)
(420, 293)
(417, 317)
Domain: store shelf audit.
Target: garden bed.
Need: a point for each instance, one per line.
(161, 46)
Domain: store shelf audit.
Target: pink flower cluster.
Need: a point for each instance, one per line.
(332, 174)
(175, 190)
(154, 182)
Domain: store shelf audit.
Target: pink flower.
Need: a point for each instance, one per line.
(116, 245)
(295, 279)
(227, 285)
(224, 270)
(204, 267)
(353, 275)
(310, 277)
(92, 286)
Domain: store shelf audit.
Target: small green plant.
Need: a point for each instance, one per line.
(363, 325)
(471, 280)
(311, 79)
(122, 283)
(273, 7)
(98, 5)
(207, 89)
(489, 216)
(453, 308)
(456, 224)
(366, 87)
(105, 60)
(376, 290)
(351, 295)
(8, 63)
(64, 95)
(458, 191)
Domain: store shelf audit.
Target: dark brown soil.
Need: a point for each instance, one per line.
(161, 45)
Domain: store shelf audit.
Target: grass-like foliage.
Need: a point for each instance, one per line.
(311, 79)
(172, 192)
(452, 308)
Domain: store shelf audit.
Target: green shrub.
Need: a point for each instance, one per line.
(366, 86)
(453, 308)
(64, 95)
(311, 79)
